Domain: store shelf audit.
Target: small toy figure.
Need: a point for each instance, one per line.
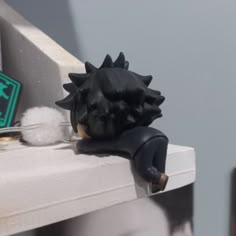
(111, 108)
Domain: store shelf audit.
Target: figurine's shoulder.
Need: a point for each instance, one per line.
(144, 132)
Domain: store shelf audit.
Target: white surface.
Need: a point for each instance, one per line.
(43, 185)
(34, 59)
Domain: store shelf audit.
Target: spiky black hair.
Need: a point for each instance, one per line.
(110, 99)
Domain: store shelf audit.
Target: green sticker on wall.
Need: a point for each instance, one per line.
(9, 94)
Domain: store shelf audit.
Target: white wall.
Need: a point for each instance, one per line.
(189, 47)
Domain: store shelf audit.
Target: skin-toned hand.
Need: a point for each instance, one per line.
(81, 132)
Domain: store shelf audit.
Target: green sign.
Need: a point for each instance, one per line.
(9, 93)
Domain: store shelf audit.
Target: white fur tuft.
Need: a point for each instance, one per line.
(49, 131)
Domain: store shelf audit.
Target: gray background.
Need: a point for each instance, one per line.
(190, 49)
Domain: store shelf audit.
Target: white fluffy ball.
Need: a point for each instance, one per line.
(49, 131)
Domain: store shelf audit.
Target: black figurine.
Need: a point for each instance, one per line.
(111, 108)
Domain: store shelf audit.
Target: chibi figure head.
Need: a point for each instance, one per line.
(106, 101)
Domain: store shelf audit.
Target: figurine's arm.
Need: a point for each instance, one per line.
(129, 142)
(95, 146)
(146, 146)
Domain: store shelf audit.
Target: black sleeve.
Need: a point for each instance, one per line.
(94, 146)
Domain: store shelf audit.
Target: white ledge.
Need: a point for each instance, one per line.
(44, 185)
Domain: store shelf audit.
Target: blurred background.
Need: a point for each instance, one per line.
(190, 49)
